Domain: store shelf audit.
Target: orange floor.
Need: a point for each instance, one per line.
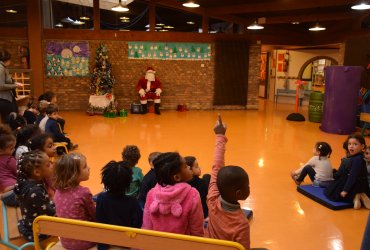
(262, 141)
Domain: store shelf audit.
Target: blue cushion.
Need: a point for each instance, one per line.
(317, 194)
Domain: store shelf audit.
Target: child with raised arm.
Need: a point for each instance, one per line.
(73, 201)
(33, 168)
(228, 185)
(173, 205)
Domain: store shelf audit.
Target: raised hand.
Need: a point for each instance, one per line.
(220, 128)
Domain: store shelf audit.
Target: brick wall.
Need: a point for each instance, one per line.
(184, 82)
(12, 47)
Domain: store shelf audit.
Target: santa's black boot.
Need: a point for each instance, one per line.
(156, 108)
(144, 109)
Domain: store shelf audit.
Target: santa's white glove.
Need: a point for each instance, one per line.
(142, 92)
(158, 92)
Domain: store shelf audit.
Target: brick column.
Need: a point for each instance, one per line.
(253, 76)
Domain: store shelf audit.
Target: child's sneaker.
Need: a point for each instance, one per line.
(294, 177)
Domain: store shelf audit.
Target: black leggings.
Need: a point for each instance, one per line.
(6, 108)
(307, 170)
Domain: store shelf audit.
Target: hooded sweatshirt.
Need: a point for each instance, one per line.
(175, 209)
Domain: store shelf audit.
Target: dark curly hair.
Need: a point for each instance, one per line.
(6, 136)
(27, 163)
(131, 154)
(166, 165)
(116, 177)
(190, 161)
(38, 142)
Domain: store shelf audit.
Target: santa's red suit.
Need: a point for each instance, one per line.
(149, 87)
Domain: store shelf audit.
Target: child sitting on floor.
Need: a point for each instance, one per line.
(228, 185)
(198, 183)
(33, 168)
(8, 164)
(73, 201)
(318, 168)
(367, 159)
(131, 154)
(149, 180)
(173, 205)
(113, 206)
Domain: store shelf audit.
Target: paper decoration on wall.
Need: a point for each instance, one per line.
(67, 59)
(169, 51)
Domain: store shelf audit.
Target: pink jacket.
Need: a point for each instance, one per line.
(174, 209)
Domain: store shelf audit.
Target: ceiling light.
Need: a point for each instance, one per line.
(255, 26)
(124, 18)
(163, 30)
(59, 25)
(85, 18)
(190, 4)
(160, 24)
(317, 27)
(11, 11)
(168, 27)
(295, 23)
(67, 20)
(78, 22)
(120, 7)
(362, 6)
(190, 22)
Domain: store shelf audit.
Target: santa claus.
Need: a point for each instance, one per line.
(149, 88)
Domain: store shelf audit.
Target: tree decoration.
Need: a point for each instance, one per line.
(102, 80)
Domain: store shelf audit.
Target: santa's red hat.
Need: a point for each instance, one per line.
(150, 70)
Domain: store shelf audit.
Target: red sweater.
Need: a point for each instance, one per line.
(222, 224)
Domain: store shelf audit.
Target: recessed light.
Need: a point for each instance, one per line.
(190, 4)
(163, 30)
(190, 22)
(362, 6)
(124, 18)
(168, 27)
(11, 11)
(160, 24)
(85, 18)
(295, 23)
(59, 25)
(77, 22)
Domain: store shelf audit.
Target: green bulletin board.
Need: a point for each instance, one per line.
(169, 51)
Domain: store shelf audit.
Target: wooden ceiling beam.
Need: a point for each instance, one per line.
(277, 6)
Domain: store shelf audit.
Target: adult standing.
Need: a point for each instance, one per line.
(8, 103)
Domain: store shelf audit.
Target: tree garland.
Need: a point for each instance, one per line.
(102, 80)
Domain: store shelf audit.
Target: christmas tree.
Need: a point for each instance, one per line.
(102, 80)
